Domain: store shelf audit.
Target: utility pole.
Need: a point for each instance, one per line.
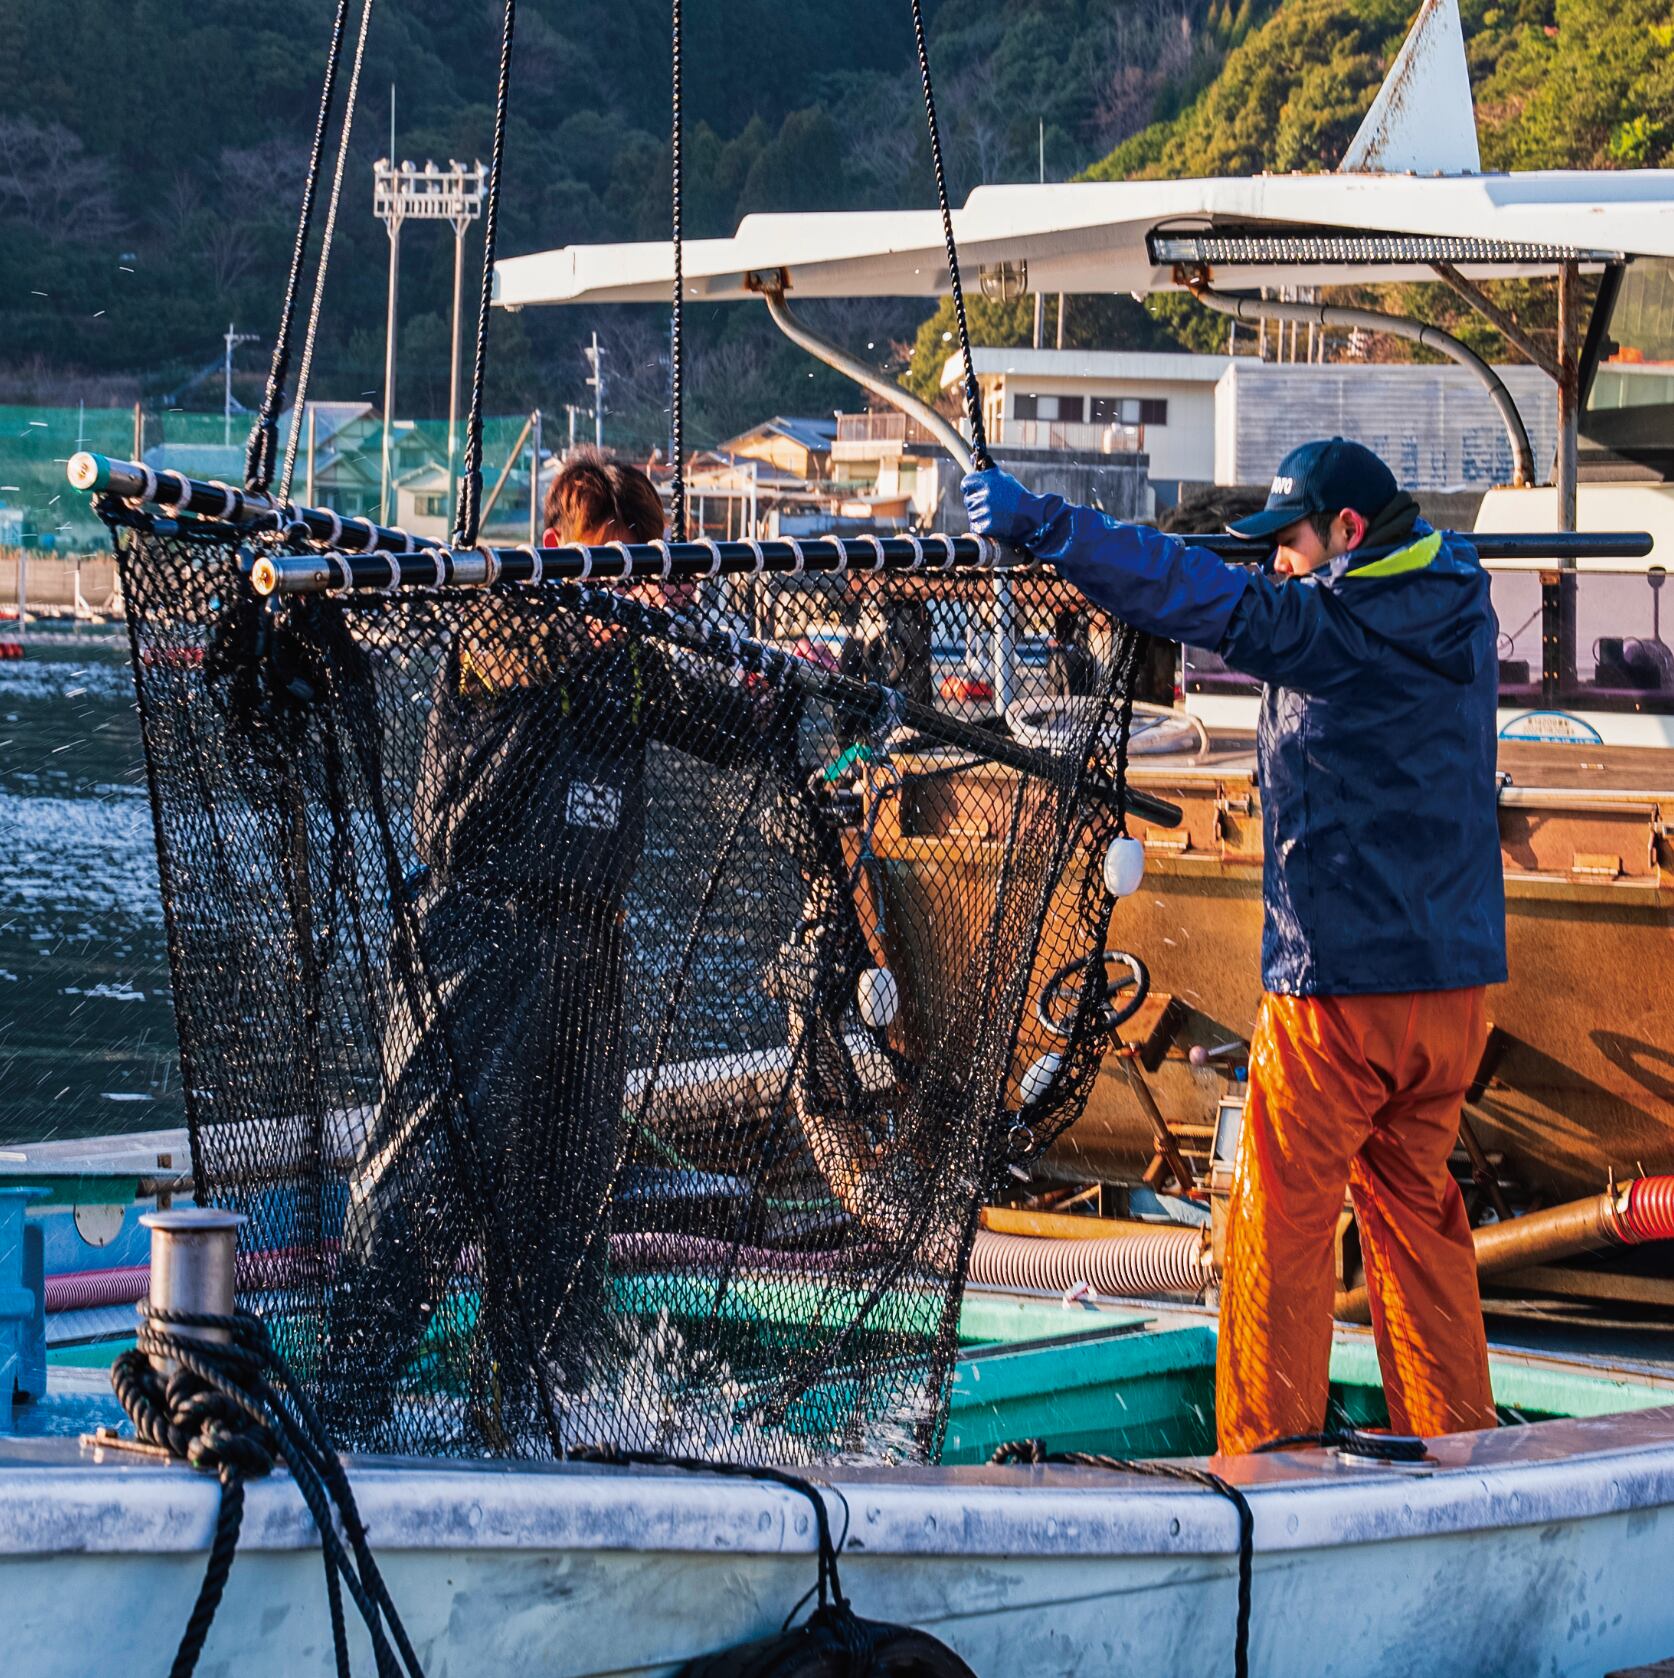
(595, 360)
(228, 406)
(571, 409)
(671, 386)
(1040, 300)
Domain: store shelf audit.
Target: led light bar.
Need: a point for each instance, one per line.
(1229, 248)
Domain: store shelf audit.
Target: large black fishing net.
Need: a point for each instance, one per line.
(606, 1042)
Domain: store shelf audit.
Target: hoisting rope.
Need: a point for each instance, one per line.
(232, 1408)
(677, 320)
(981, 461)
(299, 402)
(470, 488)
(1127, 668)
(1034, 1452)
(259, 451)
(833, 1626)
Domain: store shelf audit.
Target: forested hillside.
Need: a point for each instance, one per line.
(150, 158)
(1558, 84)
(151, 155)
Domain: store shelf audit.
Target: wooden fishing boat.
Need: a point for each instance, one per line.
(1538, 1545)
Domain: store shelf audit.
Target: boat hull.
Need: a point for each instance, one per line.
(1535, 1549)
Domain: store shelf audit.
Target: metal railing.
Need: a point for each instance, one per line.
(882, 428)
(1085, 436)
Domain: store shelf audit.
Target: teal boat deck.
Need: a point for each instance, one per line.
(1119, 1378)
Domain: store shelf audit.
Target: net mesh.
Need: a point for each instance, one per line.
(607, 1043)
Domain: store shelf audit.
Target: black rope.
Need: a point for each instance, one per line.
(828, 1586)
(231, 1408)
(470, 489)
(980, 458)
(350, 99)
(677, 325)
(1354, 1442)
(259, 451)
(1126, 669)
(1034, 1451)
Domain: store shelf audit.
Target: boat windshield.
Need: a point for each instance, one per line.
(1629, 411)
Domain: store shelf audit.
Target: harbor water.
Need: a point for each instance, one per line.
(87, 1041)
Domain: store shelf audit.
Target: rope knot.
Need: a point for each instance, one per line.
(229, 1407)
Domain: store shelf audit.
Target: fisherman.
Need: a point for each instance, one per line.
(1385, 911)
(529, 816)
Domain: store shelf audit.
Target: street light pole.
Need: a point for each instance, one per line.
(454, 195)
(387, 202)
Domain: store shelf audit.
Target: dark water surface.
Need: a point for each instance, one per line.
(87, 1042)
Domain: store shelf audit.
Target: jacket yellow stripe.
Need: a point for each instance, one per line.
(1415, 558)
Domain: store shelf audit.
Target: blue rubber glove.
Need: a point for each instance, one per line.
(999, 506)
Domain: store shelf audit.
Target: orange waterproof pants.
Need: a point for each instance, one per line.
(1363, 1090)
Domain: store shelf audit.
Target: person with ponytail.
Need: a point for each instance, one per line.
(529, 822)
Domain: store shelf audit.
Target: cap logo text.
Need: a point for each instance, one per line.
(1282, 486)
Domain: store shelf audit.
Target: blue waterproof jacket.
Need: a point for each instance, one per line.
(1376, 746)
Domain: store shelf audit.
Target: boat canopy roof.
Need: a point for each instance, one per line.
(1112, 236)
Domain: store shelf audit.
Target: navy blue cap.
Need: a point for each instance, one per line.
(1322, 477)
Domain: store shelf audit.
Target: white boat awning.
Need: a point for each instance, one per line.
(1096, 236)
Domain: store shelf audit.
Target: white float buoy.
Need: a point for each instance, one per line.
(1124, 866)
(1039, 1078)
(878, 997)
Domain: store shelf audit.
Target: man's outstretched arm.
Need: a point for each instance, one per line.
(1297, 637)
(1155, 582)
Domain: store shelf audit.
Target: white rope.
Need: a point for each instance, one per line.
(667, 552)
(877, 548)
(714, 548)
(948, 550)
(336, 537)
(537, 565)
(761, 558)
(586, 564)
(627, 561)
(394, 582)
(918, 553)
(185, 495)
(801, 558)
(231, 499)
(149, 492)
(371, 540)
(340, 566)
(491, 564)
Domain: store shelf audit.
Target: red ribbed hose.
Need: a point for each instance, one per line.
(82, 1290)
(1648, 1214)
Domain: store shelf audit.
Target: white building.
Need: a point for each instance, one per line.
(1102, 402)
(1231, 419)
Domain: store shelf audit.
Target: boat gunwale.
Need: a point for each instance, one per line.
(54, 1499)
